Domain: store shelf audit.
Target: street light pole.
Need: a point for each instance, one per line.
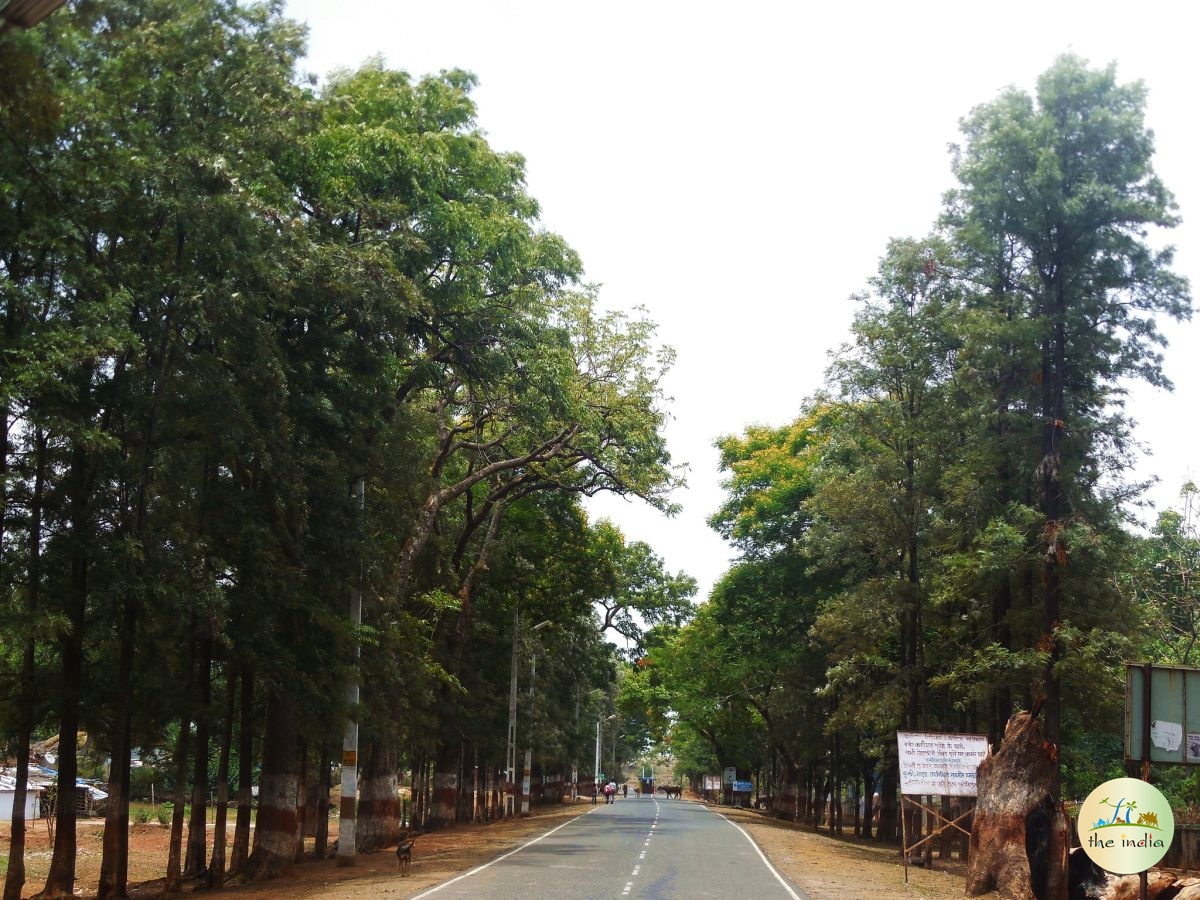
(596, 789)
(594, 692)
(596, 767)
(349, 801)
(527, 775)
(510, 777)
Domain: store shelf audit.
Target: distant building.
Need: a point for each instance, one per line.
(8, 793)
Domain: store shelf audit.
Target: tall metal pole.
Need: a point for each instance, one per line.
(527, 775)
(511, 774)
(596, 769)
(1147, 673)
(349, 801)
(575, 760)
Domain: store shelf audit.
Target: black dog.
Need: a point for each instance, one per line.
(404, 852)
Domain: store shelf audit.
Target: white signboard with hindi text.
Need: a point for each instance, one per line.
(940, 764)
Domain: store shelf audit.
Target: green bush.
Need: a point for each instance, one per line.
(141, 781)
(164, 813)
(140, 815)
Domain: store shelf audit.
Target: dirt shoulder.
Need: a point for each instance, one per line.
(838, 868)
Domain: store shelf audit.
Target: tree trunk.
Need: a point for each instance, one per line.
(786, 803)
(175, 847)
(278, 791)
(497, 794)
(1020, 836)
(414, 789)
(240, 851)
(868, 776)
(444, 800)
(197, 844)
(114, 865)
(174, 877)
(114, 862)
(887, 802)
(1054, 507)
(216, 865)
(302, 801)
(835, 805)
(423, 791)
(946, 839)
(321, 836)
(379, 797)
(60, 881)
(14, 880)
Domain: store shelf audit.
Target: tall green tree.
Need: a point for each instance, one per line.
(878, 495)
(767, 604)
(1057, 193)
(517, 384)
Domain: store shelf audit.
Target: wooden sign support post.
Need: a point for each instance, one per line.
(941, 765)
(946, 825)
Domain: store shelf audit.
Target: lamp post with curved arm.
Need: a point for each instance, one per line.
(594, 692)
(510, 767)
(528, 771)
(596, 770)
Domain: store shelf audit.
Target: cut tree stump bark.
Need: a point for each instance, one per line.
(1160, 886)
(1021, 834)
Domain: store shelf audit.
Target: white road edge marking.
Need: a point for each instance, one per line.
(766, 862)
(438, 887)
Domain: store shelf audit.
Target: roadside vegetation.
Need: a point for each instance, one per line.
(946, 532)
(270, 349)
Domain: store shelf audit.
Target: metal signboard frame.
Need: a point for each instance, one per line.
(1162, 714)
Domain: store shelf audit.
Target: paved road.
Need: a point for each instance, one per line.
(637, 848)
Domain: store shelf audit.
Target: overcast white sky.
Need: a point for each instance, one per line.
(738, 169)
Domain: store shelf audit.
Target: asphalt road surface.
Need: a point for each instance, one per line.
(638, 848)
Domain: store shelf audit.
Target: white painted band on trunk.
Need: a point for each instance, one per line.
(346, 823)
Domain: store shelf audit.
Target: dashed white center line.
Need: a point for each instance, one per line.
(638, 868)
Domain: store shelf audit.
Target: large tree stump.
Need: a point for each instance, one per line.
(1021, 835)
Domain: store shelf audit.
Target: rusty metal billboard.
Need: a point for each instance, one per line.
(1162, 712)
